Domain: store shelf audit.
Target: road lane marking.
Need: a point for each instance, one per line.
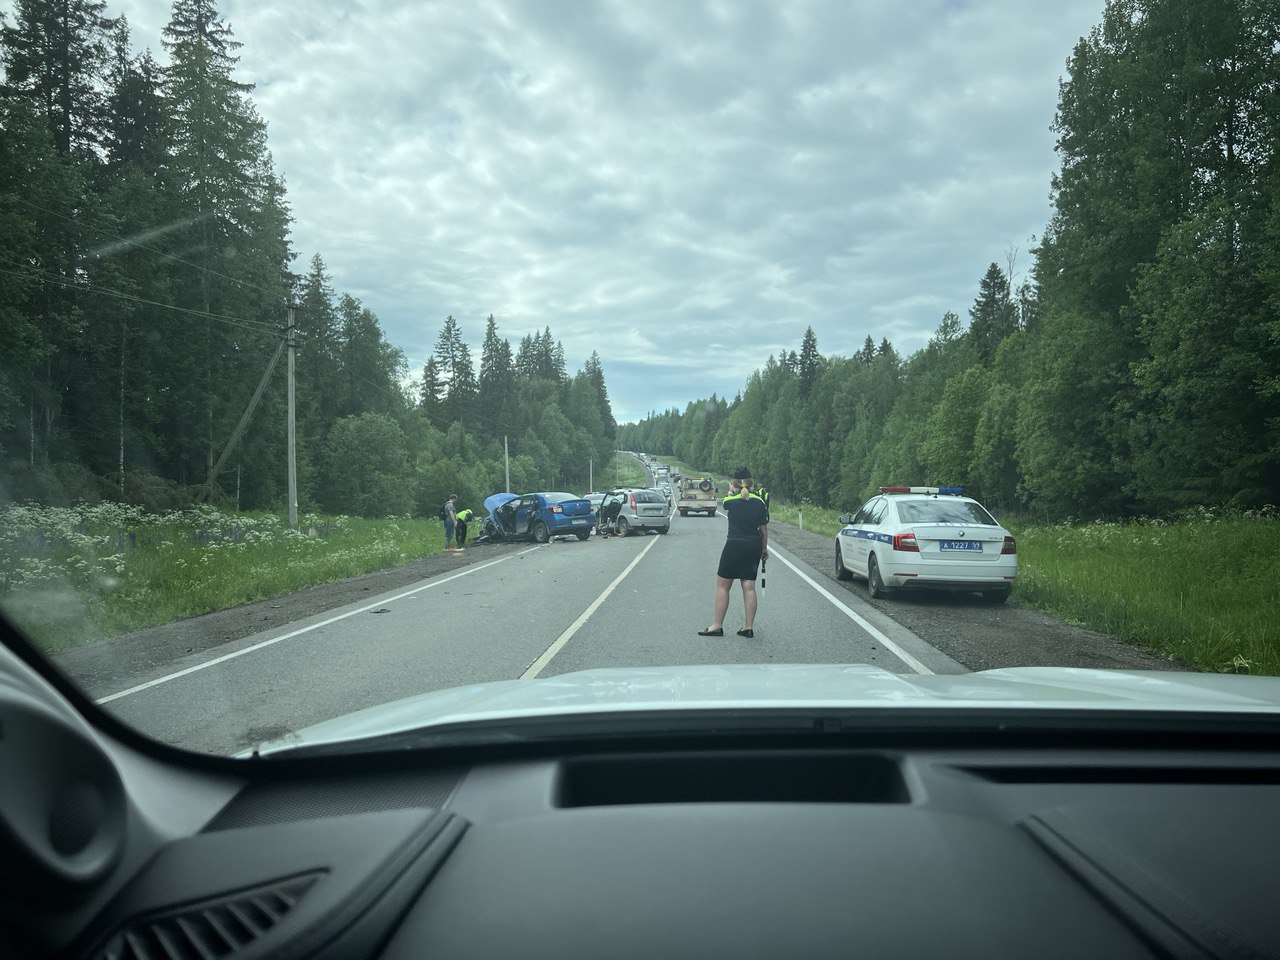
(315, 626)
(888, 644)
(558, 644)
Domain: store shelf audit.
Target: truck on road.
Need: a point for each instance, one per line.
(697, 495)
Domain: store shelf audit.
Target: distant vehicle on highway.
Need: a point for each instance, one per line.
(697, 495)
(541, 516)
(926, 537)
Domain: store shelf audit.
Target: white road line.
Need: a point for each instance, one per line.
(885, 642)
(315, 626)
(558, 644)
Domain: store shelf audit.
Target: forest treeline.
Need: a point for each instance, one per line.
(145, 276)
(1136, 369)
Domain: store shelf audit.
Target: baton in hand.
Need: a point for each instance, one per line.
(764, 563)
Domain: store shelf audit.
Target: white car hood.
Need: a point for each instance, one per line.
(799, 686)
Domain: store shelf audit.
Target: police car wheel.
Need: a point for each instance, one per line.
(875, 586)
(841, 572)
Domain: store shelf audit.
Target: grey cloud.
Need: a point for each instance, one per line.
(623, 171)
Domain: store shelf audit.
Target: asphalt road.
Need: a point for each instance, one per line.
(231, 679)
(537, 611)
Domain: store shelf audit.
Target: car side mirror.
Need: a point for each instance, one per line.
(845, 518)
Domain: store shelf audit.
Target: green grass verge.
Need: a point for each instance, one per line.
(685, 470)
(70, 575)
(1157, 584)
(627, 471)
(815, 519)
(1205, 589)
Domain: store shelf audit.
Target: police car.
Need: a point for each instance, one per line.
(926, 538)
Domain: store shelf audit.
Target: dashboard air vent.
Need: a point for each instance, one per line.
(210, 930)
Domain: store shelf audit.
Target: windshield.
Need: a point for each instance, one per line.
(943, 511)
(298, 303)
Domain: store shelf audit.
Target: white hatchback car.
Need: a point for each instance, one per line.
(926, 537)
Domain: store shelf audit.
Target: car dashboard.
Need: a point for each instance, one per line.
(942, 840)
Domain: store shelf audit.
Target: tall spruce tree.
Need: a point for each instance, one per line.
(429, 393)
(57, 53)
(993, 315)
(496, 381)
(235, 207)
(809, 363)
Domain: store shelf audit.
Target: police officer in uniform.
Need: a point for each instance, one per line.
(745, 546)
(763, 494)
(464, 518)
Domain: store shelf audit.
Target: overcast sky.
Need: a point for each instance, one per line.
(680, 186)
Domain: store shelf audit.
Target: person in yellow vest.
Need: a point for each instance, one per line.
(763, 494)
(463, 518)
(746, 544)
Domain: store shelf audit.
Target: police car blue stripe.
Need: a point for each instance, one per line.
(866, 535)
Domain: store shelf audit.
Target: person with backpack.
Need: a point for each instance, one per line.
(449, 514)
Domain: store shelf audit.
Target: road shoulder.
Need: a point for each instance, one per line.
(980, 635)
(96, 664)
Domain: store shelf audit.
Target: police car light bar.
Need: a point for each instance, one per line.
(934, 490)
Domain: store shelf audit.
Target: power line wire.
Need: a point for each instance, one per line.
(258, 327)
(102, 232)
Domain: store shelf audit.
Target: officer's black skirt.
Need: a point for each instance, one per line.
(739, 560)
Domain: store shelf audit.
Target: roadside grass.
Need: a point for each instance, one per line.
(1204, 587)
(1156, 584)
(627, 471)
(816, 519)
(722, 482)
(69, 575)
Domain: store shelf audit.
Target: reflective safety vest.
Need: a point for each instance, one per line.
(763, 494)
(466, 515)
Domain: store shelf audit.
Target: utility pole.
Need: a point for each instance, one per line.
(591, 482)
(506, 457)
(292, 344)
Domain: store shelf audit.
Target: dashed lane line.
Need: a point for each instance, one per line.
(557, 645)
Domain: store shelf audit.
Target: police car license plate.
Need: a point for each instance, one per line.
(973, 545)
